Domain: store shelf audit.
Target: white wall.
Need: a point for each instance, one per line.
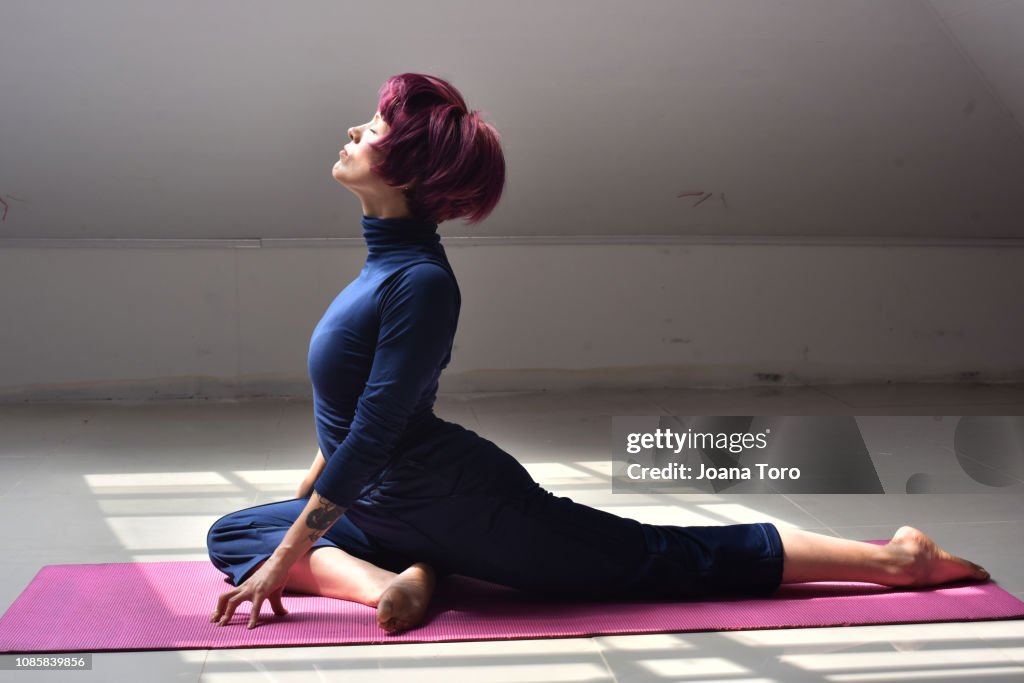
(807, 123)
(106, 322)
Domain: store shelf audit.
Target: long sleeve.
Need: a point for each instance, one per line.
(418, 317)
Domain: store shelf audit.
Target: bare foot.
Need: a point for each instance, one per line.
(404, 602)
(923, 563)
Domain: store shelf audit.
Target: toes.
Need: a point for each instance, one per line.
(396, 626)
(393, 625)
(384, 610)
(979, 571)
(385, 615)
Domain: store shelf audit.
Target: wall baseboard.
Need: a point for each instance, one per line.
(500, 381)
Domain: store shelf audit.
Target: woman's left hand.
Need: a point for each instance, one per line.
(266, 583)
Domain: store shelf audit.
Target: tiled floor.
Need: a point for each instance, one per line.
(105, 482)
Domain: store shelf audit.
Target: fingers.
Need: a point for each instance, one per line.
(226, 605)
(254, 616)
(229, 602)
(277, 604)
(225, 613)
(221, 604)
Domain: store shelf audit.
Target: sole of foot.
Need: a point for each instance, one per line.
(404, 602)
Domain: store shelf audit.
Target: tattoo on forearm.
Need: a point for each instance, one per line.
(320, 519)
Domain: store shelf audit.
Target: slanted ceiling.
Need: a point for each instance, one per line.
(192, 119)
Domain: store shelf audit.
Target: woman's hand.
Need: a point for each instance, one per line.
(268, 580)
(266, 583)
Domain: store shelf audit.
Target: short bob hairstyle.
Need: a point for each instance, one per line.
(450, 156)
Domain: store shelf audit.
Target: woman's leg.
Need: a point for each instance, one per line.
(911, 558)
(533, 540)
(239, 542)
(470, 508)
(333, 573)
(401, 599)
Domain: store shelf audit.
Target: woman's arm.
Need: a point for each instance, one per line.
(268, 581)
(317, 517)
(306, 487)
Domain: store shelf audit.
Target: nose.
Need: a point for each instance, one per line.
(352, 133)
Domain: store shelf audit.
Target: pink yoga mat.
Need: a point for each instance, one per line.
(166, 606)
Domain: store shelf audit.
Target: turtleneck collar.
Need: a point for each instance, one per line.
(389, 233)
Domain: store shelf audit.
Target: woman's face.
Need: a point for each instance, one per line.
(354, 162)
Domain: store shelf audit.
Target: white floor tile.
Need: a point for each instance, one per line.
(564, 659)
(941, 651)
(36, 428)
(914, 510)
(13, 470)
(1007, 636)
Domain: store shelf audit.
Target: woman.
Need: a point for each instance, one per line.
(405, 495)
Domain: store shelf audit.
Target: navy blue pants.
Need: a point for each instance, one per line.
(459, 502)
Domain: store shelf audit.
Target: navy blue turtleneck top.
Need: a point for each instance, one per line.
(376, 355)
